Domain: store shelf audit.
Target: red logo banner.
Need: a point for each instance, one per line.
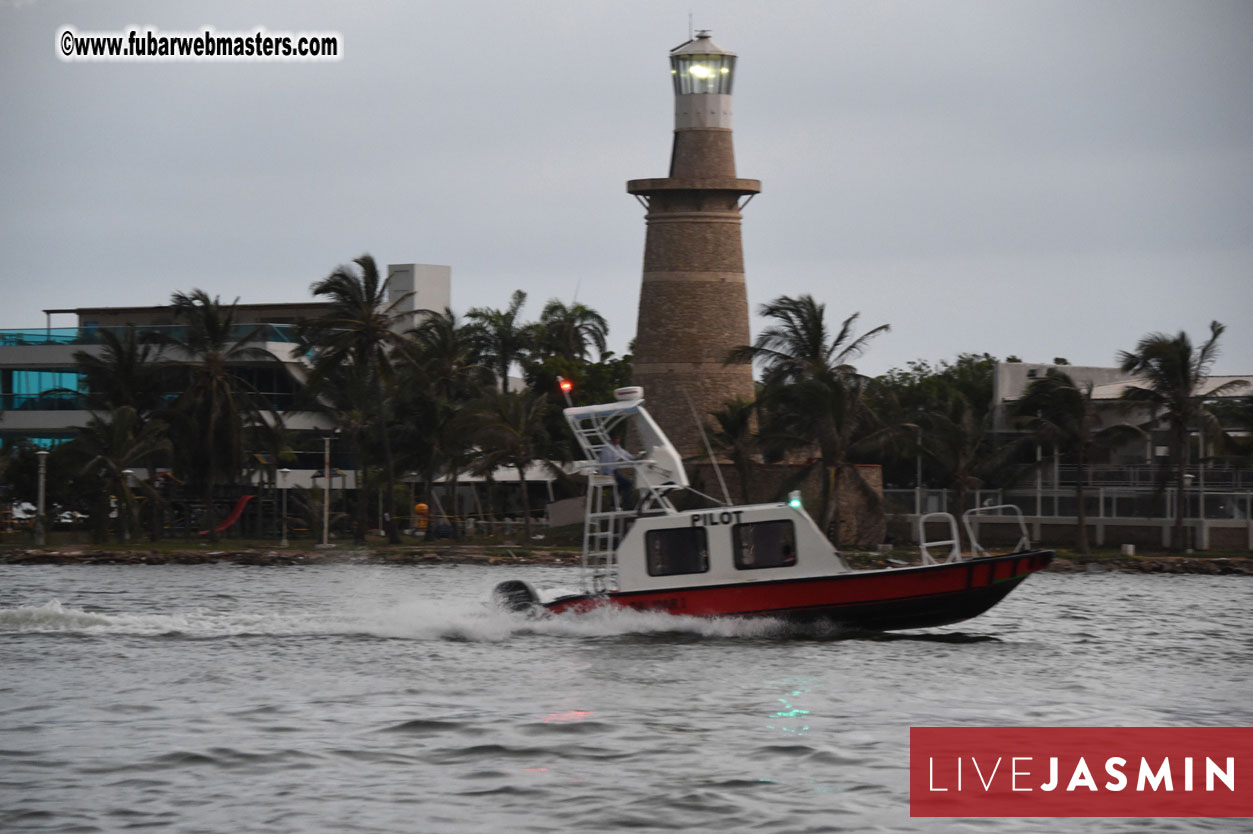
(1081, 771)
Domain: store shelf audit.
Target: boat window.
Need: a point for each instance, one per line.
(676, 551)
(766, 544)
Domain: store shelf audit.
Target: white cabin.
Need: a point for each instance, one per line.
(724, 546)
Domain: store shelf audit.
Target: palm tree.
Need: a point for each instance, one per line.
(126, 372)
(443, 377)
(217, 405)
(445, 352)
(1175, 375)
(512, 431)
(503, 340)
(1062, 414)
(345, 395)
(362, 329)
(571, 331)
(906, 396)
(958, 438)
(116, 443)
(812, 395)
(801, 346)
(734, 437)
(1237, 413)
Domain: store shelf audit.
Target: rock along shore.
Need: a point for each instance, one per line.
(505, 555)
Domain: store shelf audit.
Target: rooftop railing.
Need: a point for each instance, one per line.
(77, 401)
(91, 335)
(1099, 502)
(1218, 475)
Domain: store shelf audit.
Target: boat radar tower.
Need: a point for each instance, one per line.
(693, 300)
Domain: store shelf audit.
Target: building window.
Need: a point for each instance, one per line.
(677, 551)
(274, 384)
(51, 389)
(766, 544)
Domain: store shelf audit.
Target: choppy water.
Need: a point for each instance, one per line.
(390, 699)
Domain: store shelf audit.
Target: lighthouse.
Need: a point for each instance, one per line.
(693, 299)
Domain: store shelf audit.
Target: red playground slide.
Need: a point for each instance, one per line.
(234, 515)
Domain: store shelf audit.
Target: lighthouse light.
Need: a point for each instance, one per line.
(703, 73)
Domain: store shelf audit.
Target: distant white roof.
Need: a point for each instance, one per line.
(536, 471)
(1114, 390)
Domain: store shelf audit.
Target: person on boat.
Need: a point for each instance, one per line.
(610, 455)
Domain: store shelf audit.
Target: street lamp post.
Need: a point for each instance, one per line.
(326, 496)
(918, 462)
(918, 475)
(283, 473)
(124, 511)
(1188, 480)
(40, 520)
(326, 487)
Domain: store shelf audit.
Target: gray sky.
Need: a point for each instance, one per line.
(1040, 179)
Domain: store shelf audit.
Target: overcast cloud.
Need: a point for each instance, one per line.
(1040, 179)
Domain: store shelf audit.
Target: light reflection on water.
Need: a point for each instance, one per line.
(357, 698)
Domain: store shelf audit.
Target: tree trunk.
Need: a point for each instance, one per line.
(363, 507)
(211, 515)
(451, 509)
(1181, 469)
(156, 512)
(131, 513)
(830, 513)
(960, 509)
(526, 505)
(389, 469)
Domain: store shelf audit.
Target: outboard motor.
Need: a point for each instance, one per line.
(517, 596)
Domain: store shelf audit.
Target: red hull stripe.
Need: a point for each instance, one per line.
(846, 591)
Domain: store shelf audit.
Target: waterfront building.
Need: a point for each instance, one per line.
(43, 396)
(1131, 494)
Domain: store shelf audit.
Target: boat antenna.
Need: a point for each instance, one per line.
(708, 448)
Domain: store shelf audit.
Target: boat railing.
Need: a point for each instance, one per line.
(969, 521)
(1024, 541)
(953, 540)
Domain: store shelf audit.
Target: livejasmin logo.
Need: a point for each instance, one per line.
(1081, 777)
(1081, 771)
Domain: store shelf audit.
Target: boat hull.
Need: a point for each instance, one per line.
(881, 600)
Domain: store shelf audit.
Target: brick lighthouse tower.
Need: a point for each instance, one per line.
(693, 300)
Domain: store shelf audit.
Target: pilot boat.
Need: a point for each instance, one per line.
(757, 560)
